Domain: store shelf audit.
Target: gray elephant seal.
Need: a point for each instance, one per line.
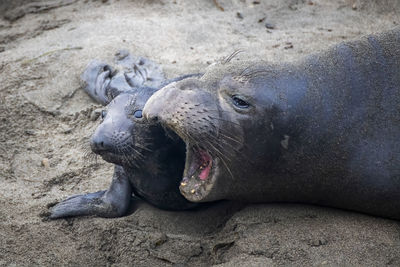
(148, 160)
(324, 130)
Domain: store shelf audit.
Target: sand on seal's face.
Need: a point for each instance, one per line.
(45, 124)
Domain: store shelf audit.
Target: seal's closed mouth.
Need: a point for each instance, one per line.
(198, 177)
(109, 156)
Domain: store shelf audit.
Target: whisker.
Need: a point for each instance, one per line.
(136, 152)
(217, 143)
(216, 149)
(144, 147)
(230, 138)
(220, 119)
(125, 157)
(234, 54)
(223, 161)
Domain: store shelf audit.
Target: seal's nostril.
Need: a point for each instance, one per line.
(153, 119)
(97, 144)
(150, 117)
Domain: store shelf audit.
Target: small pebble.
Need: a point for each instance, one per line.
(269, 26)
(318, 242)
(67, 130)
(66, 118)
(45, 163)
(159, 240)
(239, 15)
(76, 115)
(288, 45)
(30, 132)
(121, 54)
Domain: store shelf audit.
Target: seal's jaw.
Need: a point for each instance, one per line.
(200, 173)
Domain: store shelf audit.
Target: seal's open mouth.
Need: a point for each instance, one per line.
(199, 174)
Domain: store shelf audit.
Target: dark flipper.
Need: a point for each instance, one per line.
(113, 202)
(103, 83)
(139, 71)
(97, 77)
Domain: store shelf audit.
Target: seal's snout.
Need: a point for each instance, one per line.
(150, 116)
(153, 119)
(98, 144)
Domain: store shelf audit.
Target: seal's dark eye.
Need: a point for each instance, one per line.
(138, 114)
(240, 103)
(103, 114)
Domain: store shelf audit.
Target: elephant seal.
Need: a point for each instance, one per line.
(148, 161)
(323, 130)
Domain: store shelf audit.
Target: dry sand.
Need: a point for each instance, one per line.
(45, 124)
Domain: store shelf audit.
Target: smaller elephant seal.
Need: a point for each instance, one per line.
(324, 130)
(148, 161)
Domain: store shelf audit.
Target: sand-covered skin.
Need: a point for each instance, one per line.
(45, 124)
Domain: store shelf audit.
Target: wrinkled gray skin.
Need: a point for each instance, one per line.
(148, 162)
(324, 130)
(102, 82)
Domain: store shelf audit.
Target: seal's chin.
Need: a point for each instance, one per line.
(108, 156)
(115, 158)
(199, 174)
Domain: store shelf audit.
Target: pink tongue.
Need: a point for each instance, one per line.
(206, 171)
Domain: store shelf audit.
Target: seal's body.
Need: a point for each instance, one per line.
(148, 161)
(324, 130)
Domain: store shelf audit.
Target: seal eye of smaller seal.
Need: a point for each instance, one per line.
(103, 114)
(138, 114)
(240, 103)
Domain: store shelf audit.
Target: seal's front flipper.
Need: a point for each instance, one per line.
(113, 202)
(79, 205)
(96, 77)
(103, 83)
(139, 71)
